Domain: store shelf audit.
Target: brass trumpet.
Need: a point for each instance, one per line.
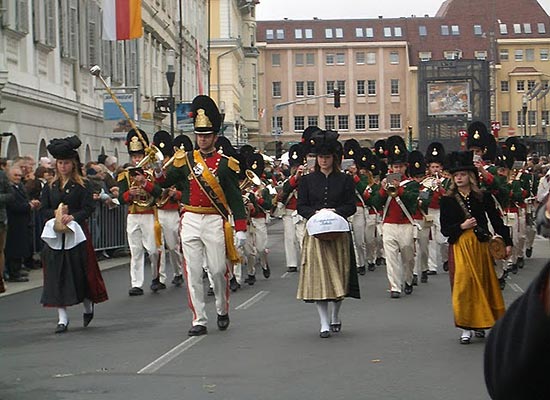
(431, 182)
(250, 180)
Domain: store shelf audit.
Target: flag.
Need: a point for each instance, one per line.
(122, 19)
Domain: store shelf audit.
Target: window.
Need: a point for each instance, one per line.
(532, 118)
(445, 30)
(330, 122)
(527, 28)
(277, 123)
(328, 33)
(394, 57)
(309, 33)
(44, 20)
(504, 86)
(371, 58)
(269, 34)
(397, 31)
(360, 57)
(329, 59)
(395, 121)
(330, 87)
(477, 30)
(280, 34)
(17, 16)
(311, 88)
(299, 122)
(544, 54)
(544, 84)
(340, 58)
(529, 54)
(387, 31)
(297, 33)
(371, 87)
(425, 56)
(89, 22)
(517, 28)
(299, 59)
(455, 30)
(276, 89)
(310, 59)
(394, 87)
(339, 33)
(480, 55)
(68, 28)
(541, 28)
(343, 122)
(360, 91)
(531, 84)
(503, 55)
(313, 121)
(373, 121)
(422, 30)
(544, 117)
(342, 87)
(360, 122)
(299, 88)
(369, 32)
(520, 86)
(518, 55)
(521, 121)
(505, 118)
(503, 29)
(275, 60)
(359, 32)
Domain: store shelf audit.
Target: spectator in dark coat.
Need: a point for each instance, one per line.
(5, 197)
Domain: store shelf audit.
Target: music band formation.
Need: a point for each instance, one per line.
(203, 208)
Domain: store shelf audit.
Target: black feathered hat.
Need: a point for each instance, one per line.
(134, 143)
(163, 141)
(435, 153)
(417, 164)
(461, 161)
(352, 148)
(397, 150)
(477, 135)
(326, 142)
(296, 155)
(224, 146)
(206, 115)
(182, 142)
(65, 149)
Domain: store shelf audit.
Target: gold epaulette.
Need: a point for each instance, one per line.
(180, 158)
(122, 176)
(233, 164)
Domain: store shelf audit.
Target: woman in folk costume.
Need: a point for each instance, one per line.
(71, 272)
(328, 270)
(476, 295)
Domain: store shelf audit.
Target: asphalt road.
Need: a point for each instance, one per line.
(138, 348)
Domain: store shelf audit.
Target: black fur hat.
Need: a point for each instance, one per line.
(296, 155)
(352, 148)
(397, 150)
(183, 142)
(306, 138)
(224, 146)
(435, 153)
(461, 161)
(255, 162)
(326, 142)
(417, 164)
(163, 141)
(380, 148)
(65, 149)
(477, 135)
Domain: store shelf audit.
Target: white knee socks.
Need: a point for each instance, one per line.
(62, 315)
(322, 308)
(336, 312)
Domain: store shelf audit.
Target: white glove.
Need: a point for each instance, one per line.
(241, 238)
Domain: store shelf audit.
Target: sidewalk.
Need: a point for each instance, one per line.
(36, 278)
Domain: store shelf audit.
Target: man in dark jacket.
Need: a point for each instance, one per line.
(5, 197)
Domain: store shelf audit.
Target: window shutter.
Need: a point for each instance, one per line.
(131, 62)
(64, 27)
(22, 16)
(73, 28)
(83, 24)
(93, 55)
(38, 33)
(50, 25)
(106, 67)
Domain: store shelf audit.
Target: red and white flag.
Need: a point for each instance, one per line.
(122, 19)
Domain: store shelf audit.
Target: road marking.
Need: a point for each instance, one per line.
(283, 276)
(515, 287)
(253, 300)
(170, 355)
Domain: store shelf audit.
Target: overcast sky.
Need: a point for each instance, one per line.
(325, 9)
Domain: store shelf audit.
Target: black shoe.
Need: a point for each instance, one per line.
(430, 272)
(266, 271)
(87, 317)
(18, 279)
(234, 285)
(223, 322)
(61, 328)
(292, 269)
(395, 295)
(324, 334)
(371, 266)
(251, 280)
(446, 266)
(424, 277)
(520, 262)
(479, 333)
(415, 280)
(162, 286)
(178, 280)
(197, 330)
(362, 270)
(514, 269)
(408, 288)
(135, 291)
(529, 252)
(378, 261)
(336, 327)
(502, 283)
(210, 291)
(155, 284)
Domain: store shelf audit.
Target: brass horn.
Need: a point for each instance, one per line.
(251, 179)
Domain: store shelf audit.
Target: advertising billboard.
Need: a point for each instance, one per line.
(111, 112)
(183, 118)
(449, 98)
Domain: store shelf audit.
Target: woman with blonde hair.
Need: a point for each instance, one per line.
(71, 272)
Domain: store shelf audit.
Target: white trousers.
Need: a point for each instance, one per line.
(257, 245)
(438, 248)
(170, 222)
(421, 239)
(141, 238)
(202, 235)
(293, 242)
(358, 224)
(399, 240)
(516, 222)
(371, 242)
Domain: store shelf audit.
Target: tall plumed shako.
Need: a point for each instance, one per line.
(361, 157)
(380, 148)
(255, 162)
(461, 161)
(65, 149)
(417, 164)
(306, 138)
(224, 146)
(134, 143)
(397, 150)
(373, 163)
(182, 142)
(518, 149)
(246, 150)
(352, 148)
(435, 153)
(296, 155)
(206, 115)
(163, 141)
(491, 149)
(477, 135)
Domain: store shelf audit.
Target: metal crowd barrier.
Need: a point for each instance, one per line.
(108, 227)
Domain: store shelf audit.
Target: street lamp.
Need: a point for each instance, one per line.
(170, 78)
(237, 128)
(524, 111)
(222, 113)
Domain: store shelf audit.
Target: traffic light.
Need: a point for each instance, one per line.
(278, 149)
(163, 105)
(336, 98)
